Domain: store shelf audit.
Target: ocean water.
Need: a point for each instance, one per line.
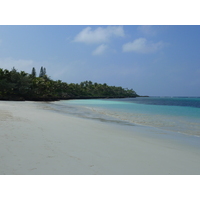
(180, 115)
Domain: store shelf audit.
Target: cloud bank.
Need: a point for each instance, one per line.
(141, 45)
(20, 64)
(99, 35)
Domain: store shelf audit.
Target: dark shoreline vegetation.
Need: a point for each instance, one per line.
(21, 86)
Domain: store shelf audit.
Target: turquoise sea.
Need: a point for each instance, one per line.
(175, 114)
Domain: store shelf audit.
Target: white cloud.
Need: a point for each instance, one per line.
(100, 49)
(141, 45)
(99, 35)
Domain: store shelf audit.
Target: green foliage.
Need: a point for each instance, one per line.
(23, 86)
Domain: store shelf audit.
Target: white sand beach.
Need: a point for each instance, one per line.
(36, 141)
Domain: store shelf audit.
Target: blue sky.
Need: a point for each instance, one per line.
(153, 60)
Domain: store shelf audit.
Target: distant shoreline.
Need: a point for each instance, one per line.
(59, 99)
(22, 86)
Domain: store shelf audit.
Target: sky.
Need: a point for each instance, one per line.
(157, 60)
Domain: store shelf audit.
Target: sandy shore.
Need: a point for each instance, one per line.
(34, 140)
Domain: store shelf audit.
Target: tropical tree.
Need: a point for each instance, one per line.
(21, 85)
(33, 73)
(41, 72)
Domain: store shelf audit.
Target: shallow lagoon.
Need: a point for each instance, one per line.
(181, 115)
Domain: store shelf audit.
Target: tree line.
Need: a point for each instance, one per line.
(16, 85)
